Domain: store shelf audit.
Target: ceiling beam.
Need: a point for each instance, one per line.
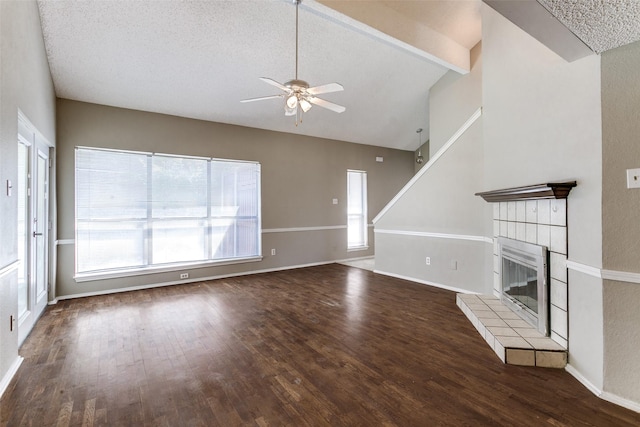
(376, 20)
(536, 20)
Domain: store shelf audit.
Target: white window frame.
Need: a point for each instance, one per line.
(361, 214)
(175, 266)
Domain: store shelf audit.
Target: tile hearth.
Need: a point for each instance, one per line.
(515, 341)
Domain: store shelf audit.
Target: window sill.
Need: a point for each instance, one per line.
(357, 248)
(141, 271)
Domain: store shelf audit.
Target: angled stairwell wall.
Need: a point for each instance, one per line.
(437, 215)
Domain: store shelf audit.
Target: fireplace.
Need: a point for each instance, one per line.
(534, 215)
(524, 279)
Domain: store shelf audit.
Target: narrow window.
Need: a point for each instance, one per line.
(356, 209)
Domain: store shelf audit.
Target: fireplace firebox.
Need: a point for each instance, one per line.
(524, 279)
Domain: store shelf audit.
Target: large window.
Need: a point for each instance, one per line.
(139, 210)
(356, 209)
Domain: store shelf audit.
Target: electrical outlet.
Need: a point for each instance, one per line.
(428, 260)
(273, 252)
(184, 275)
(633, 178)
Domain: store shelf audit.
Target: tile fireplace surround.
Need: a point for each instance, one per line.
(538, 215)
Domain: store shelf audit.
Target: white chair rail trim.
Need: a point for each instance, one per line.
(600, 273)
(436, 235)
(9, 268)
(294, 229)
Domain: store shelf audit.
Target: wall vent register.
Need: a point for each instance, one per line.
(524, 281)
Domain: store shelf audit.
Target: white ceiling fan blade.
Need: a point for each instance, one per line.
(262, 98)
(330, 87)
(326, 104)
(276, 84)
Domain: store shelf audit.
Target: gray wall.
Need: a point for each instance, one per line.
(542, 124)
(442, 201)
(25, 84)
(620, 214)
(300, 177)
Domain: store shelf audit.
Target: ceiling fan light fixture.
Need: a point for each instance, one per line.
(288, 111)
(292, 101)
(305, 105)
(297, 93)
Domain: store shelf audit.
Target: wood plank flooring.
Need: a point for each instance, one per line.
(322, 346)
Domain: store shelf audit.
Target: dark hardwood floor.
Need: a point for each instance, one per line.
(322, 346)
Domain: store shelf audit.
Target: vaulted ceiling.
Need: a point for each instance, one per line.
(198, 59)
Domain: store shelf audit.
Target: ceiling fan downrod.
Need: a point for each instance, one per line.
(298, 96)
(297, 3)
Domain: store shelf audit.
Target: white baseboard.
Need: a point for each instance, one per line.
(604, 395)
(6, 380)
(583, 380)
(181, 282)
(424, 282)
(356, 258)
(620, 401)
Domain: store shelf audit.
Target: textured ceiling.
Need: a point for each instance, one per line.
(198, 59)
(600, 24)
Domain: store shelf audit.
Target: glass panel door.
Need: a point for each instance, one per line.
(33, 227)
(40, 224)
(22, 190)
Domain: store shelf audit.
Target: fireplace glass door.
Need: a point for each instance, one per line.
(524, 279)
(520, 282)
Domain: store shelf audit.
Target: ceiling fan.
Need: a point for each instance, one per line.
(298, 96)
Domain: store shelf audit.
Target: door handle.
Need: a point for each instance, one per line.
(36, 234)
